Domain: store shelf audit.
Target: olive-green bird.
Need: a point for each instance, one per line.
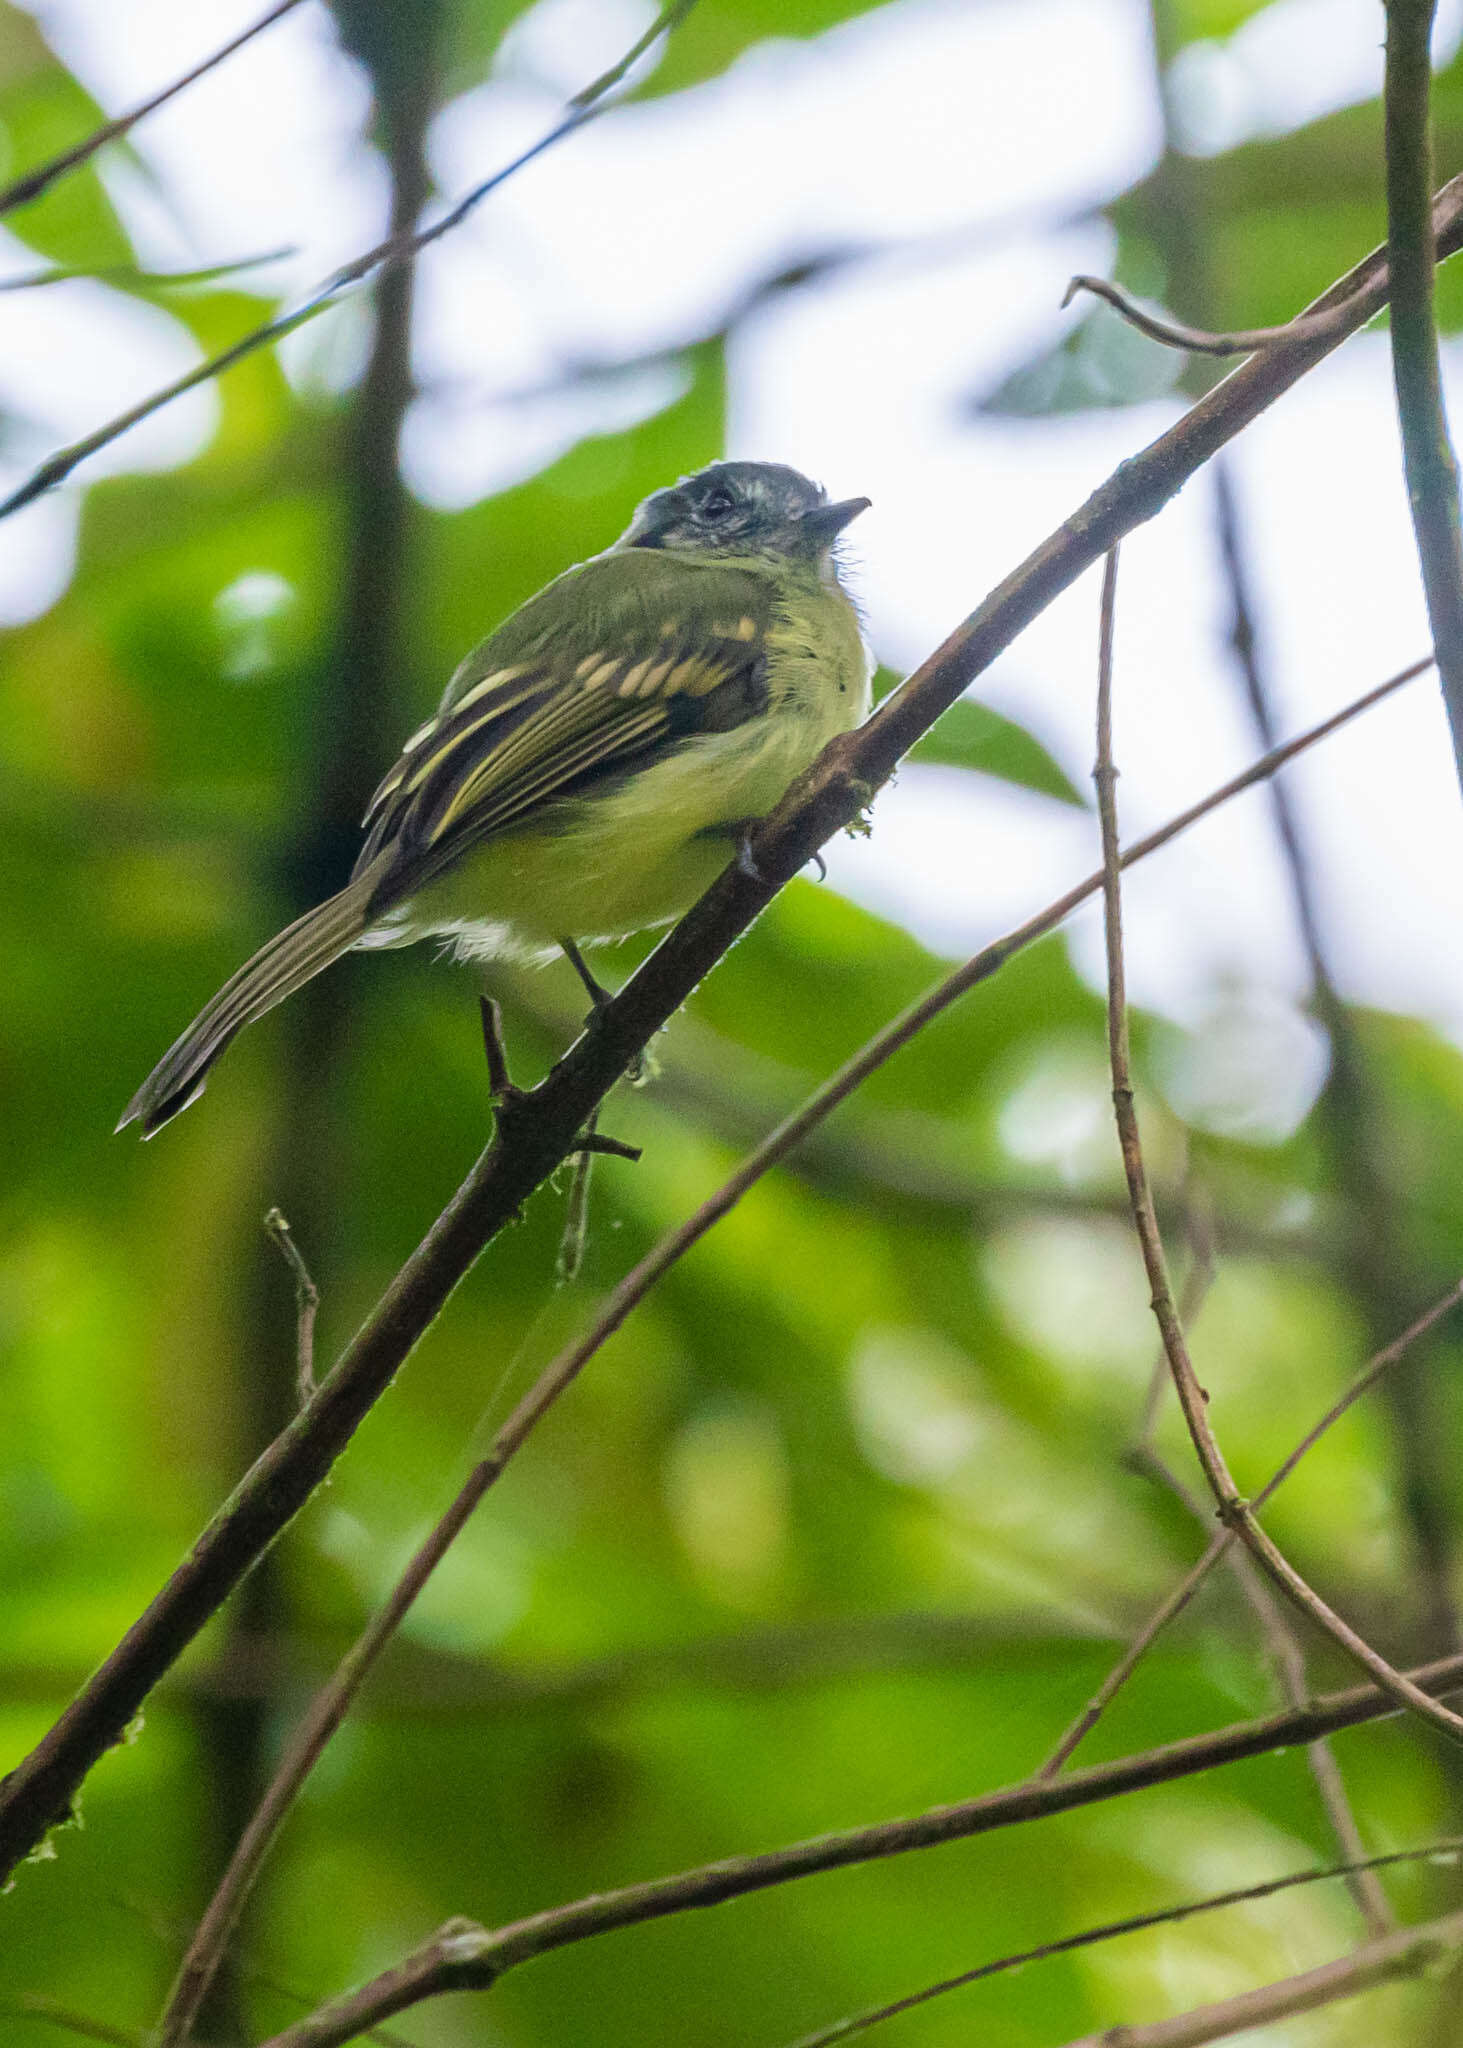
(594, 762)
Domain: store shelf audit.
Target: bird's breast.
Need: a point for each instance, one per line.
(641, 850)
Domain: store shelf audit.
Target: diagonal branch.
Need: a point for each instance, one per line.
(130, 278)
(1412, 1952)
(1282, 1647)
(546, 1124)
(23, 189)
(1223, 1539)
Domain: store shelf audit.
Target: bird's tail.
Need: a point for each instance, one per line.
(294, 957)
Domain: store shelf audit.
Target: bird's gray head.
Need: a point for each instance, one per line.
(741, 509)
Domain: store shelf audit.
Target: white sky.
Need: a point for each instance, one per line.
(927, 115)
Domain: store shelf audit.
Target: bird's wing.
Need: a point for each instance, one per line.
(612, 662)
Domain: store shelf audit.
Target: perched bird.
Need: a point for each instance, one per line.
(595, 761)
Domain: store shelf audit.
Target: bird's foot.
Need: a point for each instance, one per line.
(641, 1067)
(739, 831)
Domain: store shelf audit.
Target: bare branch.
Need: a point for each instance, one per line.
(1411, 1952)
(34, 183)
(544, 1130)
(1173, 1603)
(1244, 341)
(1137, 1923)
(1288, 1661)
(132, 279)
(1376, 1263)
(1221, 1541)
(332, 1703)
(327, 1711)
(610, 1148)
(575, 1233)
(1432, 470)
(1234, 1511)
(36, 1795)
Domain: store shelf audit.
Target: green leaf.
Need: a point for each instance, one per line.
(971, 735)
(43, 110)
(1192, 21)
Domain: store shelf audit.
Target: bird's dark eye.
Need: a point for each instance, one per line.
(718, 504)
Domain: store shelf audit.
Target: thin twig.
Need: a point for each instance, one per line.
(1233, 1510)
(1175, 1602)
(34, 183)
(501, 1089)
(34, 2005)
(1198, 1227)
(1411, 1952)
(1427, 453)
(38, 1792)
(132, 279)
(1243, 341)
(35, 1793)
(385, 255)
(205, 1950)
(1137, 1923)
(1288, 1662)
(307, 1303)
(1376, 1262)
(610, 1148)
(1285, 1653)
(463, 1956)
(1370, 1373)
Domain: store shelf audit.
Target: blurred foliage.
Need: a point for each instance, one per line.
(1243, 238)
(971, 735)
(839, 1526)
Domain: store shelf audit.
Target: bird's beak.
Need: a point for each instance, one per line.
(825, 522)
